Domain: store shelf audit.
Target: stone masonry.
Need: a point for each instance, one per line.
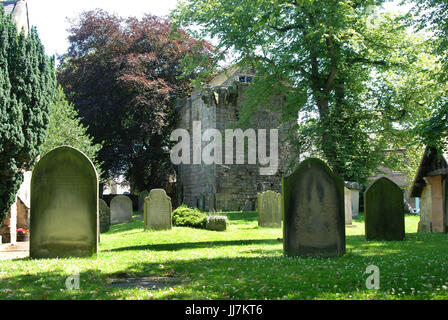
(226, 187)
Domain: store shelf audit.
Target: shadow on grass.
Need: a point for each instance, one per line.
(124, 227)
(270, 276)
(248, 216)
(197, 245)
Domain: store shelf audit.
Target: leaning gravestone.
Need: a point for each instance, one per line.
(158, 210)
(348, 206)
(269, 206)
(104, 216)
(141, 200)
(64, 205)
(120, 210)
(313, 211)
(384, 211)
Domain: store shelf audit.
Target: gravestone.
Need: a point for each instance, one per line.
(248, 205)
(348, 206)
(64, 205)
(269, 207)
(384, 211)
(355, 188)
(313, 211)
(104, 216)
(141, 200)
(157, 213)
(120, 210)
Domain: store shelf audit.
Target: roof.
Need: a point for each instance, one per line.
(431, 165)
(229, 75)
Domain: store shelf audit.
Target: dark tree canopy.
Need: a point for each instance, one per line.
(27, 84)
(123, 76)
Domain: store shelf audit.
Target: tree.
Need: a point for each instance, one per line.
(340, 65)
(431, 17)
(27, 83)
(122, 75)
(65, 128)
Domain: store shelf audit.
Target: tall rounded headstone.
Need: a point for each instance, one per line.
(269, 209)
(64, 205)
(104, 216)
(348, 206)
(141, 200)
(384, 211)
(313, 211)
(120, 210)
(158, 208)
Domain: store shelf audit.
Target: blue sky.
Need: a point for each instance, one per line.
(50, 16)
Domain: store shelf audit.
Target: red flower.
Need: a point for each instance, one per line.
(23, 230)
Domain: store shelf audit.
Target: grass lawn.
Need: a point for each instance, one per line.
(245, 262)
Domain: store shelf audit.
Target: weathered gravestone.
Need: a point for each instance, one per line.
(141, 200)
(64, 205)
(384, 211)
(120, 210)
(269, 206)
(104, 216)
(313, 211)
(348, 206)
(157, 213)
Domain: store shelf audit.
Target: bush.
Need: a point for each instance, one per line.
(184, 216)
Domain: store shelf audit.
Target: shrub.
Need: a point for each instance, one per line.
(184, 216)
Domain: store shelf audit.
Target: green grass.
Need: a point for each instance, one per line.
(245, 262)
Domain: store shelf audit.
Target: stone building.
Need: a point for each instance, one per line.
(430, 185)
(220, 186)
(19, 11)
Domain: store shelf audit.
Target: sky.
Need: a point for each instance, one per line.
(50, 16)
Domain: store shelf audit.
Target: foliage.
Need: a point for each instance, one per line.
(65, 128)
(184, 216)
(431, 17)
(354, 76)
(27, 84)
(122, 75)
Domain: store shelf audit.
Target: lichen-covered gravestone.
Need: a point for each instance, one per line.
(104, 216)
(269, 206)
(64, 205)
(313, 211)
(141, 200)
(348, 206)
(120, 210)
(157, 213)
(384, 211)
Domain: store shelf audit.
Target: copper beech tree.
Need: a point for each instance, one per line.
(124, 77)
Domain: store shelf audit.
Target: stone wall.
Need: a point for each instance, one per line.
(220, 186)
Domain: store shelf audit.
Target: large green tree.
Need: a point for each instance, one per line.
(65, 129)
(431, 17)
(122, 75)
(342, 66)
(27, 84)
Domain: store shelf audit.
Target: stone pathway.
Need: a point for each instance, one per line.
(19, 251)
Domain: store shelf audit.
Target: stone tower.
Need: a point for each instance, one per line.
(19, 11)
(220, 186)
